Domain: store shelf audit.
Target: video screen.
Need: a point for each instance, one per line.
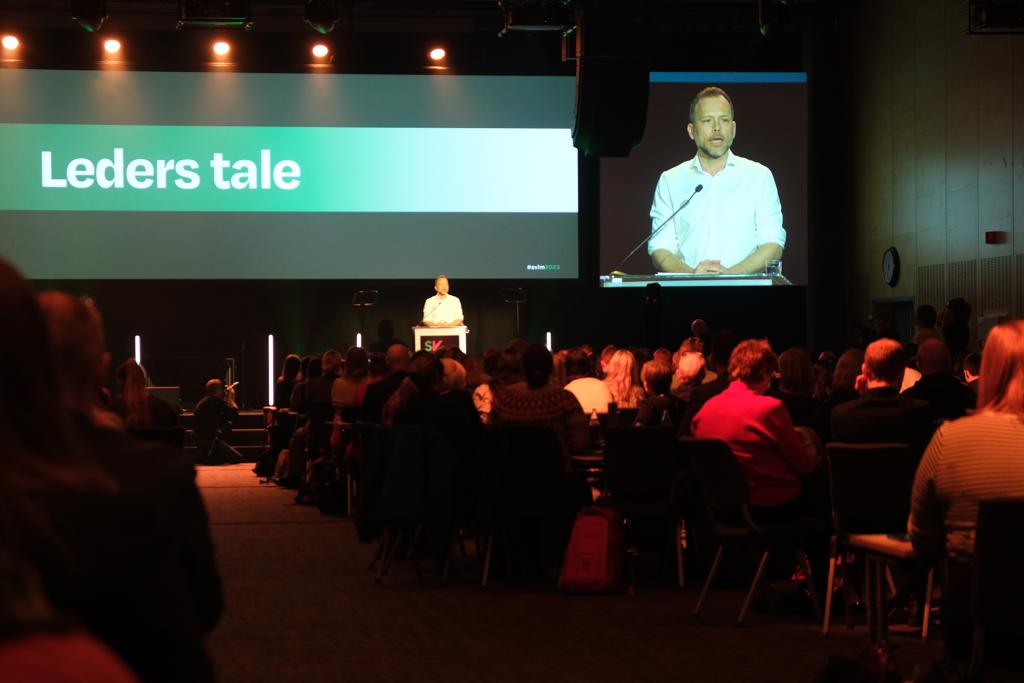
(221, 175)
(721, 199)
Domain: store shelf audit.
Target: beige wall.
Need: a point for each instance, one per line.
(937, 154)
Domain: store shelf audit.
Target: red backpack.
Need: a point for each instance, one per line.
(593, 559)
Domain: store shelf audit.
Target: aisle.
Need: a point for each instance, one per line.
(301, 606)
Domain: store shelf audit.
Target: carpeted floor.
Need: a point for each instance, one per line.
(302, 606)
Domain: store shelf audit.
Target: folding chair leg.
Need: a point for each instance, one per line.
(753, 588)
(350, 489)
(448, 557)
(389, 556)
(707, 582)
(927, 616)
(379, 555)
(487, 559)
(678, 542)
(809, 580)
(829, 587)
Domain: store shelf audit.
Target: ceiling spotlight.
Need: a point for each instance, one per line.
(112, 46)
(321, 15)
(90, 14)
(214, 14)
(221, 48)
(320, 51)
(10, 42)
(437, 54)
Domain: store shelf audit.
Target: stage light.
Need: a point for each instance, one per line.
(359, 339)
(138, 349)
(112, 46)
(321, 15)
(221, 48)
(10, 42)
(90, 14)
(437, 54)
(270, 369)
(320, 51)
(547, 342)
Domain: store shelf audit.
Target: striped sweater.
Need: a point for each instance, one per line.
(975, 458)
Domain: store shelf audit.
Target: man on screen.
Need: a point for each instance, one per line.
(442, 309)
(734, 224)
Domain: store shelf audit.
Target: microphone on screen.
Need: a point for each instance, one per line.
(656, 231)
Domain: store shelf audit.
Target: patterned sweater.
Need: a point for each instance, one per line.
(550, 406)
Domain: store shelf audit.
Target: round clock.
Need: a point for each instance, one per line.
(891, 266)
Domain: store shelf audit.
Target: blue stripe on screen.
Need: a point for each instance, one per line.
(728, 77)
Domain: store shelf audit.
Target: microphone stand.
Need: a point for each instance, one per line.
(656, 231)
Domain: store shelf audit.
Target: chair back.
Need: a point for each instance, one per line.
(172, 436)
(998, 591)
(521, 472)
(640, 463)
(720, 483)
(870, 485)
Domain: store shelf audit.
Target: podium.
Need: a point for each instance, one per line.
(433, 339)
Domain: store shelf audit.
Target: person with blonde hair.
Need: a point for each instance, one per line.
(622, 377)
(978, 457)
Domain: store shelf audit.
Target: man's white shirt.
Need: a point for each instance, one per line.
(438, 310)
(737, 211)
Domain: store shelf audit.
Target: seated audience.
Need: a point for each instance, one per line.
(659, 407)
(135, 407)
(691, 372)
(947, 397)
(347, 390)
(287, 380)
(824, 369)
(212, 421)
(623, 380)
(593, 394)
(541, 403)
(975, 458)
(559, 375)
(844, 381)
(925, 319)
(881, 414)
(722, 345)
(606, 357)
(482, 393)
(133, 561)
(757, 428)
(311, 369)
(454, 377)
(956, 328)
(377, 394)
(796, 378)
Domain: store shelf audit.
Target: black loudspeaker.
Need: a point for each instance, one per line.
(611, 105)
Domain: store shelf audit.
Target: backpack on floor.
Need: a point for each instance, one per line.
(593, 559)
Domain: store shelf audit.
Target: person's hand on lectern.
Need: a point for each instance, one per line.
(709, 267)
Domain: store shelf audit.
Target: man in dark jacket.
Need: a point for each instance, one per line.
(211, 423)
(378, 393)
(946, 396)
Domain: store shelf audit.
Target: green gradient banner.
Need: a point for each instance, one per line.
(62, 167)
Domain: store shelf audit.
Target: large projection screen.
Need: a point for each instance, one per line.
(771, 131)
(215, 175)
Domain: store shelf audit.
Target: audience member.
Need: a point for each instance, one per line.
(824, 369)
(541, 403)
(691, 372)
(947, 398)
(881, 414)
(623, 380)
(975, 458)
(136, 565)
(378, 394)
(347, 390)
(757, 428)
(482, 392)
(796, 380)
(286, 381)
(844, 381)
(956, 329)
(926, 318)
(454, 375)
(212, 421)
(135, 407)
(311, 369)
(722, 345)
(884, 328)
(659, 407)
(559, 375)
(606, 357)
(593, 394)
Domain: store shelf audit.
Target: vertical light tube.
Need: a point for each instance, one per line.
(359, 339)
(548, 342)
(270, 369)
(138, 349)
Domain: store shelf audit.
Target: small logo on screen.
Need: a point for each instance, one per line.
(543, 266)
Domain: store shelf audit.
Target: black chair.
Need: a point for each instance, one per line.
(724, 492)
(870, 488)
(998, 565)
(522, 481)
(641, 465)
(406, 494)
